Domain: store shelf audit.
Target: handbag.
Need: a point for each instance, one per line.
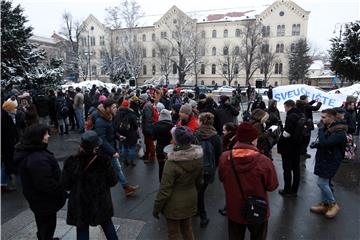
(255, 209)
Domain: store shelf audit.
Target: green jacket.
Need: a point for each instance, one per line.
(177, 197)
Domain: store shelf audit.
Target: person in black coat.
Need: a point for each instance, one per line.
(40, 177)
(225, 113)
(42, 104)
(89, 176)
(162, 136)
(290, 148)
(330, 152)
(126, 128)
(52, 109)
(350, 116)
(259, 103)
(62, 111)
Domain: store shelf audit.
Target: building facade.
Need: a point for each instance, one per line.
(219, 34)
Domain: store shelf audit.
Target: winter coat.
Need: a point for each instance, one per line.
(60, 102)
(52, 106)
(192, 123)
(290, 145)
(10, 137)
(308, 109)
(225, 113)
(274, 116)
(350, 118)
(257, 176)
(229, 140)
(131, 134)
(181, 179)
(330, 150)
(258, 104)
(162, 135)
(264, 139)
(42, 104)
(78, 101)
(90, 200)
(147, 121)
(166, 102)
(40, 178)
(104, 127)
(208, 134)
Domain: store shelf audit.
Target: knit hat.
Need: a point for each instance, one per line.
(246, 132)
(186, 108)
(160, 106)
(144, 97)
(193, 103)
(182, 135)
(165, 115)
(90, 140)
(102, 98)
(259, 115)
(9, 106)
(125, 103)
(134, 98)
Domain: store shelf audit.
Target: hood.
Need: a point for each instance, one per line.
(23, 150)
(192, 153)
(338, 127)
(101, 110)
(205, 132)
(245, 156)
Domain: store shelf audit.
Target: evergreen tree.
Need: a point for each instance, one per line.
(20, 59)
(345, 53)
(299, 61)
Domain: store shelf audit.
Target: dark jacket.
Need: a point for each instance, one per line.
(52, 106)
(127, 115)
(10, 137)
(258, 104)
(330, 150)
(147, 121)
(229, 140)
(40, 178)
(90, 200)
(166, 102)
(274, 115)
(225, 113)
(104, 127)
(308, 108)
(42, 104)
(350, 118)
(290, 145)
(162, 135)
(60, 102)
(256, 173)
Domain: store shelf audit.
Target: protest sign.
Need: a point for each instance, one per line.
(293, 92)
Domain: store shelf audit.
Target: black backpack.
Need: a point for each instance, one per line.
(123, 126)
(303, 128)
(209, 164)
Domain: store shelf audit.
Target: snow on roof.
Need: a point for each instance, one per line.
(317, 65)
(353, 90)
(43, 39)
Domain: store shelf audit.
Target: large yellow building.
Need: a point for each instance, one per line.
(282, 24)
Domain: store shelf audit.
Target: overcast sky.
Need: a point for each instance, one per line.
(45, 15)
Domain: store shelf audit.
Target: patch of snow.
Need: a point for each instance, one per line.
(353, 90)
(89, 83)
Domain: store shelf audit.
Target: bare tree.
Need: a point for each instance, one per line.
(113, 17)
(229, 62)
(164, 55)
(266, 61)
(251, 40)
(72, 30)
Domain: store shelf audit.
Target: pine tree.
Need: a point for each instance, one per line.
(20, 59)
(345, 53)
(299, 61)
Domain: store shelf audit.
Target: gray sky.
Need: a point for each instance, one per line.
(45, 15)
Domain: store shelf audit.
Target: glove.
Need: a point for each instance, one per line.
(156, 215)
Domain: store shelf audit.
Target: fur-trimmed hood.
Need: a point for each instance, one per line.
(192, 153)
(102, 112)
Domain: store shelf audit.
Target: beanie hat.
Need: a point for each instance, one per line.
(102, 98)
(165, 115)
(125, 104)
(160, 106)
(186, 108)
(193, 103)
(182, 135)
(259, 115)
(246, 132)
(90, 140)
(9, 106)
(144, 97)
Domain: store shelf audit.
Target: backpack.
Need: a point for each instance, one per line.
(208, 160)
(89, 123)
(123, 126)
(303, 128)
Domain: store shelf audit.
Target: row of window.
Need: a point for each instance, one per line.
(265, 48)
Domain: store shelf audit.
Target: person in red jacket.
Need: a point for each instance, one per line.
(257, 176)
(188, 118)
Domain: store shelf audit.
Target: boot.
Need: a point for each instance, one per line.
(333, 210)
(321, 208)
(204, 221)
(129, 190)
(61, 130)
(66, 129)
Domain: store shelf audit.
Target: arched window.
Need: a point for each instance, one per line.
(236, 69)
(144, 70)
(225, 51)
(282, 48)
(237, 33)
(213, 69)
(144, 52)
(292, 47)
(202, 69)
(153, 69)
(237, 50)
(265, 31)
(153, 37)
(202, 34)
(280, 30)
(213, 82)
(265, 48)
(295, 30)
(144, 38)
(202, 82)
(174, 68)
(224, 83)
(214, 34)
(279, 48)
(226, 33)
(278, 68)
(153, 53)
(214, 51)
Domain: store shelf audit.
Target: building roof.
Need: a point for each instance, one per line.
(317, 65)
(43, 39)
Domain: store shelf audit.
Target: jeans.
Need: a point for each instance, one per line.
(128, 153)
(79, 113)
(291, 167)
(327, 195)
(237, 231)
(185, 227)
(46, 225)
(108, 228)
(117, 167)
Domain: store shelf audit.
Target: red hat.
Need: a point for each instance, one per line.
(125, 103)
(246, 133)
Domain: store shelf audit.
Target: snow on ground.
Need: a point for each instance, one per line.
(89, 83)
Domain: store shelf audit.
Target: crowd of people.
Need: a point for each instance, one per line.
(192, 137)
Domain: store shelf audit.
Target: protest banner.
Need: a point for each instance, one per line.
(293, 92)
